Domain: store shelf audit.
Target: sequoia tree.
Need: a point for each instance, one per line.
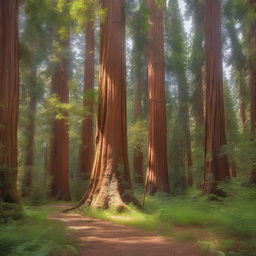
(58, 162)
(139, 38)
(239, 61)
(87, 148)
(197, 65)
(9, 100)
(30, 133)
(157, 172)
(110, 183)
(216, 161)
(178, 68)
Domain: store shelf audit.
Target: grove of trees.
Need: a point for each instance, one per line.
(100, 99)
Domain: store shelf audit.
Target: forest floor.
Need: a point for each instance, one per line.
(102, 238)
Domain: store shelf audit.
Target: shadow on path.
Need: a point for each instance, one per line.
(102, 238)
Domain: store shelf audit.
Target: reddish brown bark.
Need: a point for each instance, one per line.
(87, 146)
(9, 100)
(138, 154)
(157, 173)
(58, 162)
(253, 84)
(110, 183)
(216, 162)
(30, 133)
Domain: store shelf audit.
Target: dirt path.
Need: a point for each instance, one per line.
(102, 238)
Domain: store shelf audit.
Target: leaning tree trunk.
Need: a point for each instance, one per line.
(138, 154)
(253, 84)
(58, 162)
(110, 183)
(9, 100)
(157, 173)
(87, 147)
(216, 162)
(30, 133)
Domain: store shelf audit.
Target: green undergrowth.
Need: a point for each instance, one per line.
(34, 235)
(227, 225)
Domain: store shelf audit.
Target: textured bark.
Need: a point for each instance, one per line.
(30, 133)
(216, 162)
(239, 63)
(9, 100)
(58, 162)
(253, 84)
(157, 173)
(138, 154)
(197, 67)
(110, 183)
(87, 146)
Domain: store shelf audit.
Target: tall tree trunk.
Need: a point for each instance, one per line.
(30, 133)
(199, 100)
(253, 84)
(239, 61)
(9, 100)
(157, 173)
(216, 162)
(110, 183)
(87, 147)
(138, 154)
(242, 101)
(59, 148)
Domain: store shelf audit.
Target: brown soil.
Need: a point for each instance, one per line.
(102, 238)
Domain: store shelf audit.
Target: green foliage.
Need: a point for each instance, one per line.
(10, 211)
(160, 3)
(36, 236)
(86, 12)
(138, 135)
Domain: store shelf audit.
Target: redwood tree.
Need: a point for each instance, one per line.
(139, 38)
(178, 62)
(157, 173)
(30, 134)
(58, 162)
(138, 154)
(87, 145)
(110, 183)
(216, 162)
(9, 100)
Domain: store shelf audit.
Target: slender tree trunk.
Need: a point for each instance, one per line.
(9, 100)
(30, 133)
(239, 63)
(59, 148)
(157, 173)
(253, 84)
(198, 102)
(110, 183)
(199, 99)
(242, 102)
(138, 154)
(87, 147)
(216, 162)
(190, 179)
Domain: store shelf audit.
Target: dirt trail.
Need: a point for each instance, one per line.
(102, 238)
